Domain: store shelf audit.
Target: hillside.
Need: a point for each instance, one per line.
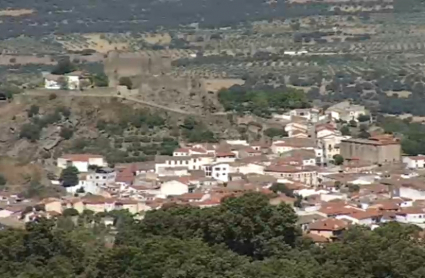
(41, 128)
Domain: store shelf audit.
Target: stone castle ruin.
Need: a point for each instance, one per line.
(152, 78)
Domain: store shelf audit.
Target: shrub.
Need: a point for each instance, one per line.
(52, 96)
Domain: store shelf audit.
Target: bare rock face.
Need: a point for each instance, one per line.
(51, 142)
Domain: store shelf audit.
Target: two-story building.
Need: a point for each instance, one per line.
(81, 161)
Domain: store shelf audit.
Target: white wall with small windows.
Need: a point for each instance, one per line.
(220, 171)
(413, 218)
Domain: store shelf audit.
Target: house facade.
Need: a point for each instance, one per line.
(81, 161)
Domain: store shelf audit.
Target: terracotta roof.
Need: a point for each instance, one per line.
(127, 174)
(387, 205)
(288, 169)
(327, 126)
(416, 158)
(282, 199)
(328, 224)
(251, 150)
(225, 154)
(209, 202)
(126, 202)
(191, 196)
(296, 143)
(338, 209)
(410, 210)
(317, 238)
(199, 150)
(182, 150)
(366, 214)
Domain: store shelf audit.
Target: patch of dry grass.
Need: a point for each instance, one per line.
(17, 12)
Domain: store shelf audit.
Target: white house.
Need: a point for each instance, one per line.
(194, 162)
(293, 127)
(218, 171)
(174, 188)
(366, 218)
(345, 111)
(95, 181)
(246, 168)
(102, 177)
(289, 144)
(237, 142)
(414, 162)
(225, 157)
(53, 81)
(70, 80)
(410, 191)
(413, 215)
(81, 161)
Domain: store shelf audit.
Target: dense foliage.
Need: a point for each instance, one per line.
(69, 176)
(196, 132)
(412, 134)
(244, 237)
(261, 103)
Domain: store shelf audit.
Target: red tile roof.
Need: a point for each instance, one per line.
(225, 154)
(410, 210)
(317, 238)
(328, 224)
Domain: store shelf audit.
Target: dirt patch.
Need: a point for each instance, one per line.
(17, 12)
(162, 39)
(18, 173)
(214, 85)
(25, 59)
(401, 94)
(95, 41)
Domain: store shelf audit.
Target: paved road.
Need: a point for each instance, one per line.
(108, 95)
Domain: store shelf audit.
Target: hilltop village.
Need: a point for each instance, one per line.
(331, 180)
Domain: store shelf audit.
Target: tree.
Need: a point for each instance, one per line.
(69, 212)
(100, 80)
(353, 188)
(363, 132)
(338, 159)
(345, 130)
(126, 81)
(156, 257)
(69, 176)
(66, 133)
(30, 132)
(282, 188)
(33, 111)
(3, 181)
(275, 132)
(10, 90)
(364, 118)
(248, 225)
(64, 66)
(52, 96)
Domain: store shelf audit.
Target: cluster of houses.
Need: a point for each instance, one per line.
(374, 185)
(69, 81)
